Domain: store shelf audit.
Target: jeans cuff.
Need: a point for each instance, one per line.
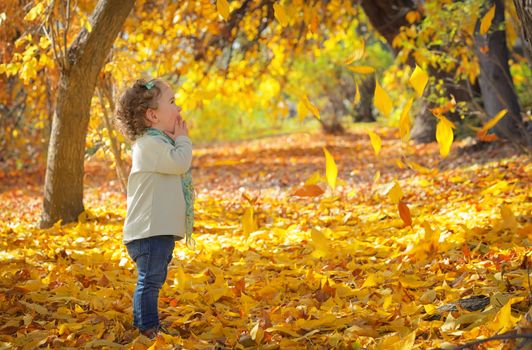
(155, 325)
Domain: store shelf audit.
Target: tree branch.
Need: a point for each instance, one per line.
(527, 336)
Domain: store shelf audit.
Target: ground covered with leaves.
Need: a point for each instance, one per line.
(408, 251)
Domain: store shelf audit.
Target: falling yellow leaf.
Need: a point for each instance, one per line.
(314, 178)
(357, 54)
(222, 6)
(331, 171)
(485, 23)
(377, 176)
(493, 121)
(357, 94)
(362, 69)
(418, 80)
(395, 194)
(301, 111)
(400, 164)
(376, 141)
(420, 168)
(404, 121)
(444, 136)
(248, 221)
(310, 107)
(280, 14)
(382, 101)
(431, 237)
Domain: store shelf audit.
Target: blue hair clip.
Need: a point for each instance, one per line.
(149, 84)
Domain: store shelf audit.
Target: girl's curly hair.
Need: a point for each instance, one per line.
(132, 105)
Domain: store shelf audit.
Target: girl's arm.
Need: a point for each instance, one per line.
(175, 160)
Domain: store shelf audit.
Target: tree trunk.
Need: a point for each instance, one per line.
(495, 80)
(63, 187)
(364, 110)
(524, 11)
(388, 16)
(115, 144)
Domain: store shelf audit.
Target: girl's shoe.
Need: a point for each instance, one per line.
(152, 332)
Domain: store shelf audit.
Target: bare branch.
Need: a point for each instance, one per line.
(471, 345)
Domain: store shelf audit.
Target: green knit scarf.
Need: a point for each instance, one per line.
(188, 191)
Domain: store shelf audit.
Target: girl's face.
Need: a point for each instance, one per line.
(167, 113)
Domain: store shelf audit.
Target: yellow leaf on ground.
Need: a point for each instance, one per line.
(320, 243)
(411, 281)
(508, 218)
(504, 321)
(371, 281)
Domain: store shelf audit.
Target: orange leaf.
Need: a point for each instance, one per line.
(308, 191)
(483, 136)
(404, 212)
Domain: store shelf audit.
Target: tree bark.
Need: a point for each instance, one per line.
(524, 11)
(63, 188)
(388, 16)
(364, 110)
(495, 80)
(115, 144)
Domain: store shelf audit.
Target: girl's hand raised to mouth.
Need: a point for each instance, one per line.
(180, 129)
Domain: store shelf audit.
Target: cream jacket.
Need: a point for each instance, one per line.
(155, 201)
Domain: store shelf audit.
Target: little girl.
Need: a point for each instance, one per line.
(160, 195)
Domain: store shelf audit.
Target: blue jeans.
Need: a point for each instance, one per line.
(152, 256)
